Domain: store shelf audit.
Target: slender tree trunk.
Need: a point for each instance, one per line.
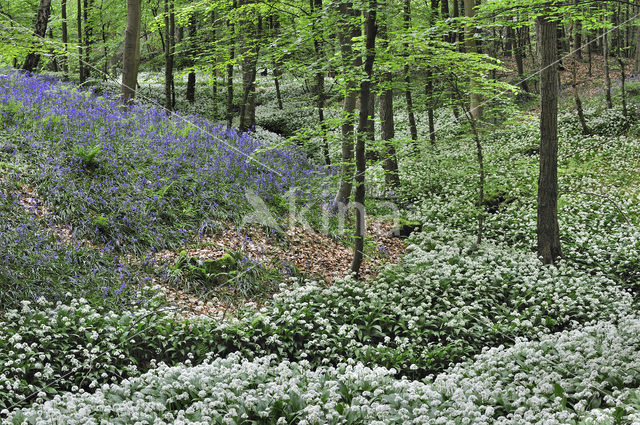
(636, 64)
(80, 44)
(352, 62)
(168, 55)
(547, 229)
(390, 163)
(413, 129)
(131, 51)
(429, 96)
(88, 36)
(471, 47)
(623, 88)
(316, 8)
(387, 125)
(277, 73)
(444, 9)
(607, 76)
(42, 19)
(249, 70)
(54, 63)
(455, 14)
(518, 51)
(232, 55)
(370, 30)
(191, 78)
(590, 54)
(276, 80)
(65, 39)
(577, 46)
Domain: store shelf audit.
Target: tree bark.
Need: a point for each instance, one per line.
(347, 32)
(370, 30)
(413, 129)
(88, 35)
(316, 7)
(81, 68)
(249, 71)
(387, 125)
(131, 51)
(636, 64)
(65, 39)
(191, 77)
(607, 76)
(518, 53)
(232, 56)
(42, 19)
(470, 46)
(548, 232)
(168, 55)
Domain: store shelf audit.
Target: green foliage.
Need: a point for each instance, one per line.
(89, 155)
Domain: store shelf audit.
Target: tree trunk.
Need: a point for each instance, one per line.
(131, 51)
(518, 52)
(444, 9)
(548, 233)
(232, 55)
(623, 88)
(471, 47)
(249, 70)
(42, 19)
(455, 14)
(363, 122)
(65, 39)
(589, 54)
(88, 35)
(577, 46)
(276, 80)
(347, 33)
(81, 68)
(429, 93)
(607, 76)
(387, 125)
(168, 55)
(390, 163)
(636, 64)
(316, 8)
(413, 129)
(191, 78)
(574, 80)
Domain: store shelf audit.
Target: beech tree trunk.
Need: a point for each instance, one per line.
(518, 53)
(548, 232)
(316, 7)
(169, 24)
(370, 30)
(636, 64)
(65, 39)
(470, 45)
(131, 51)
(387, 125)
(191, 77)
(607, 76)
(88, 35)
(249, 71)
(347, 32)
(413, 129)
(232, 56)
(42, 19)
(81, 68)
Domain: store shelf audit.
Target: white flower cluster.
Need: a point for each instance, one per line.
(584, 376)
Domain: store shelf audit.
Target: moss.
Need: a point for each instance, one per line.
(404, 228)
